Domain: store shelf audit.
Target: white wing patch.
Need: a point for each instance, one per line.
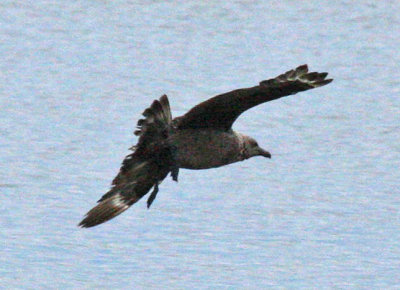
(118, 202)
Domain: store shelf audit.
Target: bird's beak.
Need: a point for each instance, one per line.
(264, 153)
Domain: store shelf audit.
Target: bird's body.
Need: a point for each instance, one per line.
(206, 148)
(202, 138)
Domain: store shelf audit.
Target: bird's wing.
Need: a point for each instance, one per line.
(142, 177)
(220, 112)
(146, 167)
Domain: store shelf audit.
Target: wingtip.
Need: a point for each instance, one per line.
(83, 224)
(323, 82)
(302, 69)
(314, 79)
(104, 211)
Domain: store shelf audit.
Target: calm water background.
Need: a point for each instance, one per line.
(324, 212)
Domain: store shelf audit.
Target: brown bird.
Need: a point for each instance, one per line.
(202, 138)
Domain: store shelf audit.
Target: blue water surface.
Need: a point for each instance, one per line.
(322, 213)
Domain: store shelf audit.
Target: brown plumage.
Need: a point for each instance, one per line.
(202, 138)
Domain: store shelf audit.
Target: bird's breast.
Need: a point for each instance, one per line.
(205, 148)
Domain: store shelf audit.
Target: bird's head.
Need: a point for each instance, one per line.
(252, 149)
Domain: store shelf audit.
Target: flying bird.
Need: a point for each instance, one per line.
(202, 138)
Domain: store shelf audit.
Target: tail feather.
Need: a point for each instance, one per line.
(157, 118)
(166, 109)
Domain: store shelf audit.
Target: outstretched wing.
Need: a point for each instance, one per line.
(220, 112)
(146, 167)
(142, 177)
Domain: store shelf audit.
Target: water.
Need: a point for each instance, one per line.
(323, 213)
